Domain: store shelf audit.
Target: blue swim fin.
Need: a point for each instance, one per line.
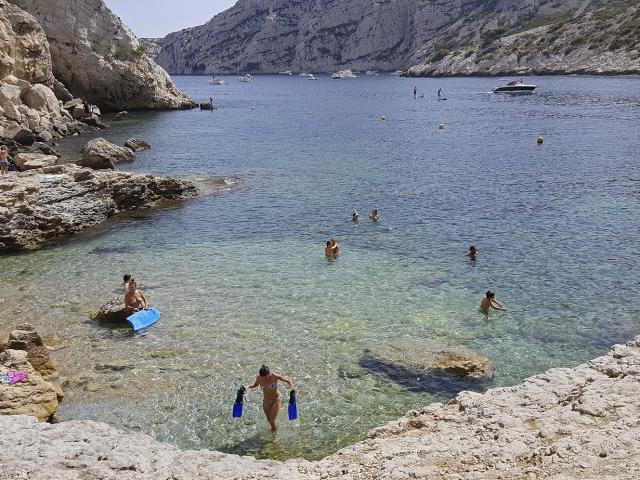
(237, 405)
(293, 408)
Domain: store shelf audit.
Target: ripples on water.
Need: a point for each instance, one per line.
(240, 277)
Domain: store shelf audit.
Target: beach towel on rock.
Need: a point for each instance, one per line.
(12, 377)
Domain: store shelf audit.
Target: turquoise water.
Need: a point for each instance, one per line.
(241, 280)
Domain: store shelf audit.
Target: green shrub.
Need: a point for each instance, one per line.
(139, 51)
(439, 55)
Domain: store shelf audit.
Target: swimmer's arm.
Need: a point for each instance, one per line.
(498, 306)
(144, 299)
(254, 385)
(284, 379)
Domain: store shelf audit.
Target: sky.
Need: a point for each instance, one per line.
(156, 18)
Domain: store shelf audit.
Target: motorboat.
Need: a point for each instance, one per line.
(344, 74)
(371, 73)
(515, 86)
(312, 77)
(287, 72)
(246, 78)
(305, 74)
(216, 81)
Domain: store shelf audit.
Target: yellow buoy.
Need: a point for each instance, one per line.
(383, 118)
(540, 140)
(441, 126)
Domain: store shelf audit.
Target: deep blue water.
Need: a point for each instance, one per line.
(241, 279)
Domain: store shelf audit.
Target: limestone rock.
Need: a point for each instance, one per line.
(110, 71)
(25, 337)
(23, 136)
(112, 311)
(41, 98)
(33, 396)
(101, 154)
(40, 206)
(137, 145)
(31, 161)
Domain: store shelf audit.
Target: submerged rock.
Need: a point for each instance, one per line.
(101, 154)
(40, 206)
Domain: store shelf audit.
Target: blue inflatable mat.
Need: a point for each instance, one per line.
(143, 318)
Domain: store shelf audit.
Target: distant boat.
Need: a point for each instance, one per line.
(371, 72)
(515, 86)
(305, 74)
(216, 81)
(344, 74)
(311, 77)
(287, 72)
(397, 73)
(246, 78)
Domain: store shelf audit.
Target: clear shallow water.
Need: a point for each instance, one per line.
(241, 279)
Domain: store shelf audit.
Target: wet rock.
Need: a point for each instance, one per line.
(94, 121)
(24, 137)
(120, 115)
(31, 161)
(137, 145)
(25, 337)
(112, 311)
(33, 396)
(101, 154)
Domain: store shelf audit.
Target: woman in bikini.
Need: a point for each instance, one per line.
(268, 382)
(134, 298)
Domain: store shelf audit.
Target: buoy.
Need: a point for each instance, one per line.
(441, 126)
(383, 118)
(540, 140)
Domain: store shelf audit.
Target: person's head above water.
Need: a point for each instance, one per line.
(328, 243)
(126, 278)
(264, 371)
(490, 294)
(132, 285)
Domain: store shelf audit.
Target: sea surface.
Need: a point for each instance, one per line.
(241, 279)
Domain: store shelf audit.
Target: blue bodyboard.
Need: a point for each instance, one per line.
(143, 318)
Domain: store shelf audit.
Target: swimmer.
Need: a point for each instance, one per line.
(354, 216)
(374, 216)
(472, 253)
(268, 382)
(125, 282)
(335, 246)
(135, 299)
(489, 302)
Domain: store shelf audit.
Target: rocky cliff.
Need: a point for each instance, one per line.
(564, 424)
(324, 35)
(98, 58)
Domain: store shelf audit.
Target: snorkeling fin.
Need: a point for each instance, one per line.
(293, 408)
(237, 405)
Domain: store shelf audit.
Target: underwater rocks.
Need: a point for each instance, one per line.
(430, 366)
(137, 145)
(565, 424)
(52, 203)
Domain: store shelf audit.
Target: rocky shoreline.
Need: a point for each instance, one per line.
(567, 423)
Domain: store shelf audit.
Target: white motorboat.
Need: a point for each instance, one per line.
(344, 74)
(305, 74)
(371, 73)
(246, 78)
(287, 72)
(515, 86)
(216, 81)
(312, 77)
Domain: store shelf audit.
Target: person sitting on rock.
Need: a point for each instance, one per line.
(134, 299)
(489, 302)
(4, 161)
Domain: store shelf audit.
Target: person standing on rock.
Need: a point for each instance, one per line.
(489, 302)
(4, 162)
(134, 298)
(268, 382)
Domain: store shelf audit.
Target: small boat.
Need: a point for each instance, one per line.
(312, 77)
(371, 73)
(287, 72)
(305, 74)
(216, 81)
(397, 73)
(515, 86)
(344, 74)
(246, 78)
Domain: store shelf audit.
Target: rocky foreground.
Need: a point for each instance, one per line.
(578, 423)
(51, 203)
